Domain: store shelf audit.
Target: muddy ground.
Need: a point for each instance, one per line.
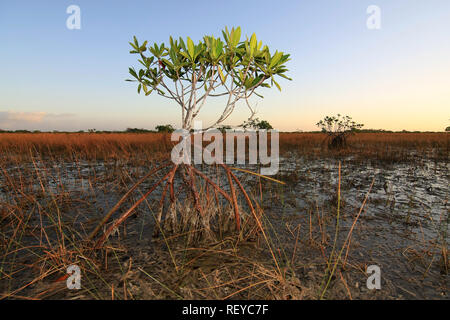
(402, 228)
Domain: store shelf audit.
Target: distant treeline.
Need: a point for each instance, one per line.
(366, 131)
(168, 128)
(128, 130)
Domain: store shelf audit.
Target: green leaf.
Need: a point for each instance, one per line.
(143, 48)
(248, 82)
(197, 50)
(191, 48)
(275, 59)
(219, 48)
(282, 75)
(167, 63)
(134, 46)
(173, 56)
(184, 54)
(236, 35)
(182, 44)
(225, 35)
(221, 74)
(253, 42)
(241, 75)
(276, 83)
(133, 73)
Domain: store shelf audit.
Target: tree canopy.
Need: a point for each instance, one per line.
(189, 73)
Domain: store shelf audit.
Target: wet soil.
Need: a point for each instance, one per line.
(403, 228)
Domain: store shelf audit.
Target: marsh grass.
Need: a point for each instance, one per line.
(57, 188)
(390, 147)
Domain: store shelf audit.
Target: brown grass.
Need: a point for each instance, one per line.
(44, 228)
(85, 145)
(382, 146)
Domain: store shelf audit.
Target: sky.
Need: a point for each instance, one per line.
(396, 77)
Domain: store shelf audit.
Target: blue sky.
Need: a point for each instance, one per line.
(393, 78)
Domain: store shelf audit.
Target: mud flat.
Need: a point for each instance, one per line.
(397, 213)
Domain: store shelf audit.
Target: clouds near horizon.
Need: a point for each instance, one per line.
(36, 120)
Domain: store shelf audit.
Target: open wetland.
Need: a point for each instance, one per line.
(334, 217)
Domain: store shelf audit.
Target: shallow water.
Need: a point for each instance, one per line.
(406, 212)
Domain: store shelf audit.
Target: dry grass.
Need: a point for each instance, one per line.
(92, 146)
(381, 146)
(46, 218)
